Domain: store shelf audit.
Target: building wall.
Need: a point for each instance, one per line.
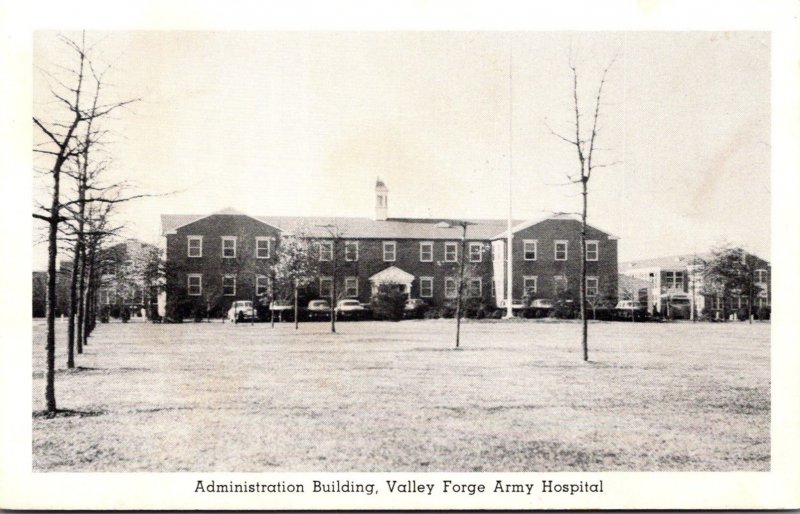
(212, 266)
(370, 261)
(546, 267)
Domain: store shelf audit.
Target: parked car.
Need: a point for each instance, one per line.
(414, 308)
(318, 310)
(541, 307)
(349, 309)
(282, 310)
(241, 310)
(517, 306)
(627, 309)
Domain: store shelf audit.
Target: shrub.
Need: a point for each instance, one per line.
(447, 311)
(125, 315)
(432, 314)
(388, 303)
(199, 313)
(742, 314)
(764, 313)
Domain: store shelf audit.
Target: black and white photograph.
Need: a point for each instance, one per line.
(405, 267)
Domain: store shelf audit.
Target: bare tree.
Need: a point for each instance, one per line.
(57, 143)
(337, 233)
(585, 147)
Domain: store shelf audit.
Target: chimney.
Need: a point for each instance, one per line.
(381, 200)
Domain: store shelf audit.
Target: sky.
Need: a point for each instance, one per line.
(302, 123)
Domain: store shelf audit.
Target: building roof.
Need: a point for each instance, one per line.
(522, 225)
(671, 263)
(359, 228)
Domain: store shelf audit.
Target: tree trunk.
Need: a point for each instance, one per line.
(88, 301)
(271, 301)
(73, 305)
(584, 321)
(296, 313)
(52, 252)
(81, 299)
(333, 291)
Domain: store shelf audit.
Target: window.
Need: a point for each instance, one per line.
(389, 251)
(529, 284)
(450, 289)
(325, 250)
(673, 279)
(194, 246)
(592, 250)
(475, 252)
(426, 287)
(592, 287)
(426, 252)
(529, 249)
(451, 252)
(262, 247)
(229, 285)
(560, 283)
(194, 284)
(351, 251)
(475, 288)
(761, 276)
(351, 287)
(228, 247)
(561, 250)
(325, 287)
(262, 285)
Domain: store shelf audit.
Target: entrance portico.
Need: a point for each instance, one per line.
(393, 276)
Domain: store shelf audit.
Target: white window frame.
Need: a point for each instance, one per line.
(189, 240)
(224, 240)
(393, 246)
(265, 285)
(261, 239)
(480, 287)
(596, 287)
(347, 286)
(528, 278)
(525, 244)
(226, 277)
(472, 247)
(447, 281)
(189, 278)
(566, 249)
(759, 273)
(346, 253)
(426, 247)
(596, 250)
(328, 280)
(454, 246)
(327, 254)
(429, 281)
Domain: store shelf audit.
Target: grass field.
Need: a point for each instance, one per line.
(397, 397)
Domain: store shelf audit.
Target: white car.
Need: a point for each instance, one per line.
(241, 310)
(349, 309)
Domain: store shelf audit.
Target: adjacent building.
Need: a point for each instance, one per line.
(214, 259)
(682, 275)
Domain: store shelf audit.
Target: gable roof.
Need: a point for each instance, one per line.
(535, 221)
(669, 263)
(172, 222)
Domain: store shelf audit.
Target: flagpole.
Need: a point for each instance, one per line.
(509, 253)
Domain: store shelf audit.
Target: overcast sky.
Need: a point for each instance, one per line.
(302, 124)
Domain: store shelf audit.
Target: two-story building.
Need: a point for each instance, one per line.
(215, 259)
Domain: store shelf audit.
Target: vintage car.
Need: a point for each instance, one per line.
(629, 309)
(414, 308)
(350, 309)
(241, 310)
(318, 310)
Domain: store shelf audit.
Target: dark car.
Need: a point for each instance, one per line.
(541, 308)
(318, 310)
(414, 308)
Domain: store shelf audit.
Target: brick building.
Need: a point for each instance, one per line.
(215, 259)
(683, 274)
